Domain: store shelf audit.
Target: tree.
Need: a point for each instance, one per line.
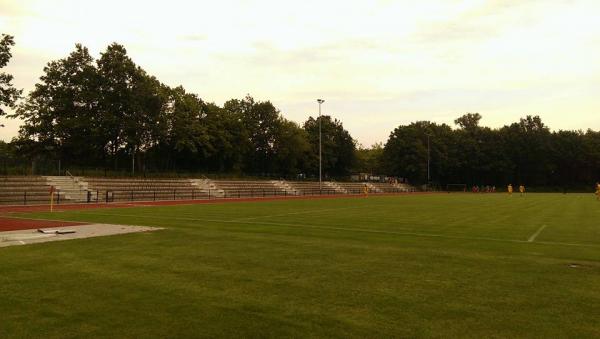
(478, 152)
(130, 103)
(406, 152)
(261, 121)
(228, 139)
(291, 148)
(370, 160)
(8, 94)
(338, 147)
(469, 121)
(592, 145)
(528, 144)
(61, 112)
(569, 159)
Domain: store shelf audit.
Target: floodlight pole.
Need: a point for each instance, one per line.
(428, 161)
(320, 101)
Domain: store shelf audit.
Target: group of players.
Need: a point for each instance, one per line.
(509, 189)
(522, 190)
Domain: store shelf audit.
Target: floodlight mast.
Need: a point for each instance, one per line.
(428, 161)
(320, 101)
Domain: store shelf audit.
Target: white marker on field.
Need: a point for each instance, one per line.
(535, 235)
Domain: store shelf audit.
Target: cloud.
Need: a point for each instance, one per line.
(268, 54)
(193, 37)
(481, 22)
(12, 9)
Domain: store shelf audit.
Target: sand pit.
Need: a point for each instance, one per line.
(32, 236)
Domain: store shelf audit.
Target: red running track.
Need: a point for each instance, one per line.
(12, 224)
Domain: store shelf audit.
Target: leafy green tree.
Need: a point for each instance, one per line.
(185, 128)
(130, 103)
(61, 113)
(8, 94)
(469, 122)
(291, 148)
(528, 145)
(479, 153)
(569, 158)
(228, 139)
(592, 145)
(338, 146)
(261, 121)
(406, 152)
(370, 160)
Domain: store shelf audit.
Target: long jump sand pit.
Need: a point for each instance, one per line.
(70, 232)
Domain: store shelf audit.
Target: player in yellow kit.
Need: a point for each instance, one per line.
(509, 189)
(522, 189)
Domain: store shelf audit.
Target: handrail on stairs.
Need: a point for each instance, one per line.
(75, 180)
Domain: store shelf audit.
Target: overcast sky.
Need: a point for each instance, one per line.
(377, 64)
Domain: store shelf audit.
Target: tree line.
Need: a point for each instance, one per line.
(107, 112)
(524, 152)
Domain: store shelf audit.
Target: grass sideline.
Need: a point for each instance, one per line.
(452, 265)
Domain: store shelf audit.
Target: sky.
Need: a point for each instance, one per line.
(377, 64)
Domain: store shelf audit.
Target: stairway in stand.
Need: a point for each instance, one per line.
(206, 188)
(373, 188)
(72, 189)
(335, 186)
(284, 186)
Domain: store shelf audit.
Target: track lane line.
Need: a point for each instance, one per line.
(300, 212)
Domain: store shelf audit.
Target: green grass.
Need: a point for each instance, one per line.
(456, 265)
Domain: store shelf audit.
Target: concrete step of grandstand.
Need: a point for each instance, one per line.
(69, 188)
(373, 188)
(334, 186)
(286, 187)
(207, 187)
(404, 187)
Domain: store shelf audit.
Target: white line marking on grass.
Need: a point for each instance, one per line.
(535, 235)
(346, 229)
(300, 212)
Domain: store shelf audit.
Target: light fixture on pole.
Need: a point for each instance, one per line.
(320, 101)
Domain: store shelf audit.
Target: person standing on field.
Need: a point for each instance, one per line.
(598, 191)
(510, 189)
(522, 189)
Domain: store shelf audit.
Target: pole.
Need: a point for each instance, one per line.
(320, 101)
(428, 161)
(51, 198)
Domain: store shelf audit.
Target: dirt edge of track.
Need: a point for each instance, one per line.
(81, 206)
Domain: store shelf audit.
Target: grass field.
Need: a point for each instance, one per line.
(451, 265)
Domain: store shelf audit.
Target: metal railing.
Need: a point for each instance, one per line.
(108, 196)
